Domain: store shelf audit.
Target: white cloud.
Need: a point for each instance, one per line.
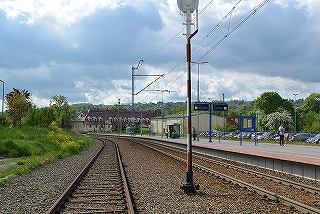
(84, 49)
(63, 12)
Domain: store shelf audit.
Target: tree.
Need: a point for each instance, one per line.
(275, 119)
(270, 102)
(41, 117)
(18, 105)
(64, 113)
(312, 103)
(315, 127)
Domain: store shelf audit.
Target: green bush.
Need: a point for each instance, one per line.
(35, 146)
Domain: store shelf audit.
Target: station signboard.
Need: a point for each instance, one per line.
(220, 106)
(248, 123)
(201, 106)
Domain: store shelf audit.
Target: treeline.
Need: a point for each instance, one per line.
(21, 111)
(302, 115)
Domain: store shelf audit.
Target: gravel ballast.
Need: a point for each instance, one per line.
(154, 181)
(36, 192)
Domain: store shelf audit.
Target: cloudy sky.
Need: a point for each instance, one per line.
(85, 49)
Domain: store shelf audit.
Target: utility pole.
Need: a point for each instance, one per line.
(132, 104)
(188, 7)
(119, 119)
(132, 98)
(295, 113)
(224, 122)
(198, 96)
(2, 95)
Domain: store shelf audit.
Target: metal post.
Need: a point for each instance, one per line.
(2, 96)
(295, 114)
(256, 130)
(162, 115)
(188, 7)
(224, 122)
(141, 123)
(198, 96)
(241, 128)
(132, 104)
(118, 118)
(210, 122)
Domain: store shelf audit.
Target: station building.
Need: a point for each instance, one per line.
(160, 125)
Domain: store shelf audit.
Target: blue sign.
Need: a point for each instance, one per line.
(248, 123)
(220, 106)
(201, 106)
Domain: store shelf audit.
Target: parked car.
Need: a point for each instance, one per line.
(266, 135)
(315, 139)
(288, 136)
(300, 137)
(262, 135)
(258, 135)
(273, 136)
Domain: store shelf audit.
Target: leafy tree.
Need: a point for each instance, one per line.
(18, 105)
(233, 114)
(275, 119)
(311, 122)
(312, 103)
(270, 102)
(64, 113)
(315, 127)
(41, 117)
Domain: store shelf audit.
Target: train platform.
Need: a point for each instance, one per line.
(297, 153)
(296, 159)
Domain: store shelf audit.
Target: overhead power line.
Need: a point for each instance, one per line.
(225, 34)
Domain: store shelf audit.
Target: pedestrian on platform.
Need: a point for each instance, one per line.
(194, 133)
(281, 134)
(166, 132)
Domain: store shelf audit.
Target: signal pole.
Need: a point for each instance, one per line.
(188, 7)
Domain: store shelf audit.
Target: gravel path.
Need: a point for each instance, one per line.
(154, 180)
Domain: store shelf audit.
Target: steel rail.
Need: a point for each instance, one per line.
(271, 177)
(125, 183)
(274, 196)
(56, 206)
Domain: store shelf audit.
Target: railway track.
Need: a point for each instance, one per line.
(100, 188)
(304, 198)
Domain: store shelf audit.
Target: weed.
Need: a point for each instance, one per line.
(36, 146)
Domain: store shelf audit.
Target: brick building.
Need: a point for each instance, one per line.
(105, 120)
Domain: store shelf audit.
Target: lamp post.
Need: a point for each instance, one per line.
(188, 7)
(198, 96)
(295, 113)
(2, 95)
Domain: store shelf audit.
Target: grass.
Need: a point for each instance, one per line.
(30, 147)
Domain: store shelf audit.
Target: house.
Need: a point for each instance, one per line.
(105, 120)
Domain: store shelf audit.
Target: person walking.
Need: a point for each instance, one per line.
(194, 133)
(281, 134)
